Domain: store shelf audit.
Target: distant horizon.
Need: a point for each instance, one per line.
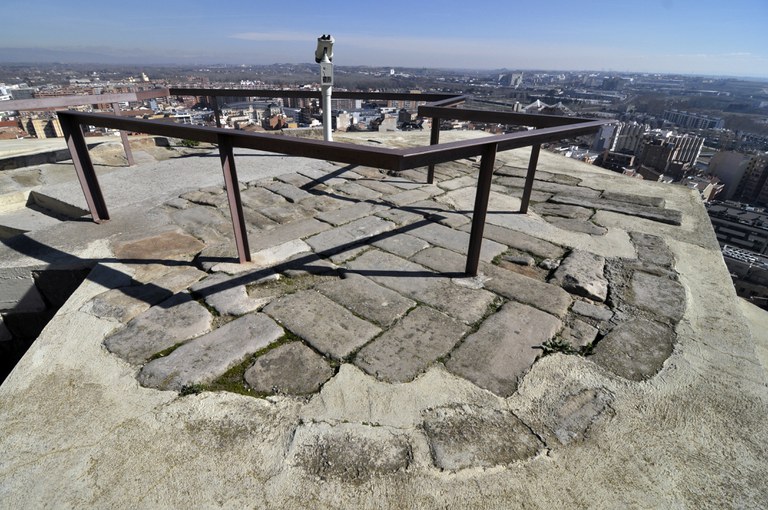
(684, 37)
(395, 67)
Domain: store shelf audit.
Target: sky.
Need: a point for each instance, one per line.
(704, 37)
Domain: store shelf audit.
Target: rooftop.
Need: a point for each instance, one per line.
(351, 363)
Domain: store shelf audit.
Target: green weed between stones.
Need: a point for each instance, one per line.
(233, 379)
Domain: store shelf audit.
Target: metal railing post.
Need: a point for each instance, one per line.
(535, 148)
(434, 139)
(86, 174)
(481, 208)
(124, 138)
(233, 197)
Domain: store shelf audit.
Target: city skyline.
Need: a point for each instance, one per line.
(659, 36)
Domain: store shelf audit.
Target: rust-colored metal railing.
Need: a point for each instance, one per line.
(547, 129)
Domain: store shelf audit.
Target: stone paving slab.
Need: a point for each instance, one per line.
(581, 273)
(350, 213)
(324, 324)
(462, 437)
(367, 299)
(292, 368)
(227, 296)
(502, 351)
(408, 348)
(661, 296)
(205, 358)
(445, 237)
(341, 238)
(635, 350)
(420, 284)
(521, 241)
(668, 216)
(402, 245)
(171, 322)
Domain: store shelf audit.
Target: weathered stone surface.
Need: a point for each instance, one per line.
(668, 216)
(126, 303)
(285, 213)
(378, 185)
(258, 197)
(406, 197)
(518, 257)
(327, 326)
(293, 368)
(367, 299)
(306, 264)
(228, 295)
(162, 246)
(288, 191)
(659, 295)
(204, 198)
(652, 250)
(581, 273)
(471, 436)
(521, 241)
(463, 200)
(636, 349)
(407, 349)
(295, 179)
(268, 257)
(576, 413)
(350, 213)
(523, 289)
(347, 236)
(578, 333)
(354, 190)
(172, 278)
(19, 293)
(634, 199)
(576, 225)
(403, 245)
(566, 211)
(459, 182)
(173, 321)
(286, 233)
(445, 237)
(401, 217)
(418, 283)
(349, 453)
(600, 313)
(205, 358)
(504, 348)
(204, 223)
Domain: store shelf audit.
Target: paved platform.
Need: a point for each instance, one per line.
(600, 359)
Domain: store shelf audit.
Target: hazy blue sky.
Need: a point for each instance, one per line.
(675, 36)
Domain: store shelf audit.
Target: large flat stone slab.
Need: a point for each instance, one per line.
(421, 284)
(407, 349)
(173, 321)
(445, 237)
(659, 295)
(293, 369)
(326, 325)
(668, 216)
(352, 234)
(504, 348)
(521, 241)
(469, 436)
(635, 350)
(205, 358)
(368, 299)
(581, 273)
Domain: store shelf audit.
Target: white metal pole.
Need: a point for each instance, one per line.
(325, 87)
